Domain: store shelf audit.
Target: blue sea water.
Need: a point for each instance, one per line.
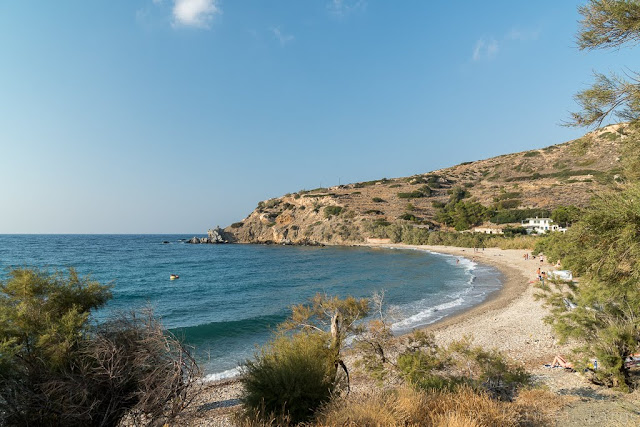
(229, 298)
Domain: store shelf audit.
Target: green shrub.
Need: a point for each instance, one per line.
(58, 369)
(330, 211)
(531, 154)
(423, 191)
(378, 200)
(512, 231)
(609, 136)
(517, 215)
(369, 183)
(237, 224)
(292, 376)
(428, 366)
(408, 217)
(411, 195)
(272, 203)
(373, 212)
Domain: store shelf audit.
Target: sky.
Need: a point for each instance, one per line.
(174, 116)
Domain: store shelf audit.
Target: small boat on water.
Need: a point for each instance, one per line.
(174, 277)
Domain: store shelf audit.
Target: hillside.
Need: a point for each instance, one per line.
(506, 186)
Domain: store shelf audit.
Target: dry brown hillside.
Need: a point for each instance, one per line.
(563, 174)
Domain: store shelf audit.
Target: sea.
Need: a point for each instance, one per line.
(230, 298)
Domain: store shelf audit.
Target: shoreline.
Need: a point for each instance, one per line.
(498, 296)
(513, 284)
(510, 319)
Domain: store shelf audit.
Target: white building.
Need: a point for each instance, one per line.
(488, 230)
(541, 225)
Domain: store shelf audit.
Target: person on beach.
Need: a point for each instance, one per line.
(561, 362)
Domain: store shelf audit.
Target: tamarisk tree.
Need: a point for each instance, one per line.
(601, 312)
(608, 24)
(331, 316)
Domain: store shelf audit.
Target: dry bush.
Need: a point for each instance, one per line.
(538, 407)
(259, 419)
(454, 419)
(464, 407)
(468, 404)
(136, 368)
(401, 407)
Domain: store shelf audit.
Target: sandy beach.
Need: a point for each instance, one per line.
(511, 319)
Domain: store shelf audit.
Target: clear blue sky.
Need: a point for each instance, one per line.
(160, 116)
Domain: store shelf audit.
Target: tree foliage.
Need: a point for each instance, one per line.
(603, 311)
(459, 213)
(565, 215)
(58, 369)
(289, 378)
(608, 24)
(296, 373)
(43, 317)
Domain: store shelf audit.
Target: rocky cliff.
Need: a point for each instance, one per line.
(563, 174)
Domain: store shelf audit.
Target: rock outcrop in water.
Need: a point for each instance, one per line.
(214, 236)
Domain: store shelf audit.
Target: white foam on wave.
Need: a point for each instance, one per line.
(230, 373)
(433, 314)
(428, 314)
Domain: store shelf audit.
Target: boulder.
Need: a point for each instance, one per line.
(216, 235)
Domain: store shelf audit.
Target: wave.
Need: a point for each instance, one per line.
(231, 329)
(229, 373)
(428, 314)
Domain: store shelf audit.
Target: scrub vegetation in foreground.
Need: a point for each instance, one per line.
(57, 368)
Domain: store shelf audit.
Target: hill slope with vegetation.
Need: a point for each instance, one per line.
(499, 190)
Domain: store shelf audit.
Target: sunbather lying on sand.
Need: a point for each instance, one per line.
(561, 362)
